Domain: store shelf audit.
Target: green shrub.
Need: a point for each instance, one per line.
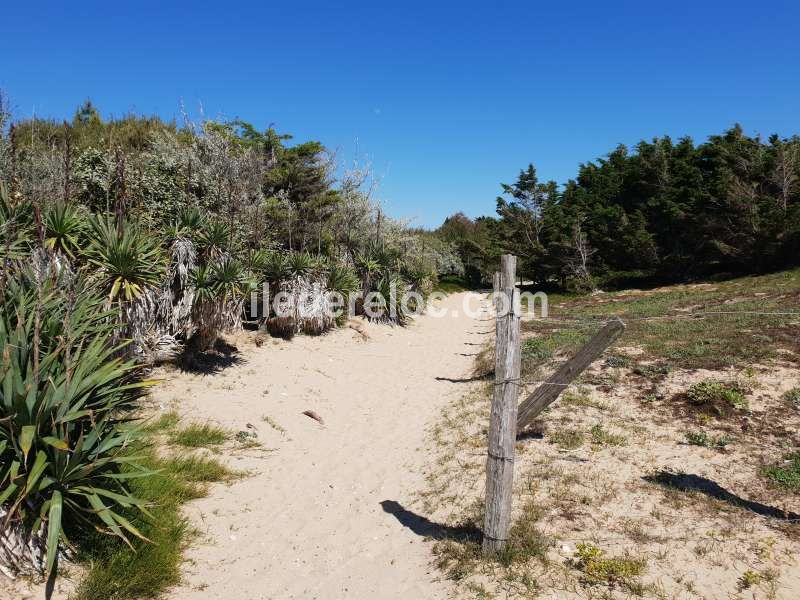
(617, 361)
(786, 475)
(719, 396)
(701, 438)
(792, 396)
(63, 403)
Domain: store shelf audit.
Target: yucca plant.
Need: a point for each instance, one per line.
(64, 440)
(391, 288)
(16, 227)
(368, 268)
(257, 262)
(219, 289)
(300, 264)
(191, 220)
(341, 279)
(128, 261)
(213, 239)
(64, 228)
(276, 268)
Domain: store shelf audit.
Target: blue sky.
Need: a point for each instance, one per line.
(446, 99)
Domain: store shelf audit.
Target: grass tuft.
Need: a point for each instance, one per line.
(200, 436)
(567, 439)
(602, 437)
(165, 422)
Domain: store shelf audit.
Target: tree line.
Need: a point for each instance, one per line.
(663, 211)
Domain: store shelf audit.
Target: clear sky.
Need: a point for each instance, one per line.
(446, 99)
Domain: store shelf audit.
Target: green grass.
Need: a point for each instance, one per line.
(460, 556)
(786, 475)
(117, 572)
(682, 341)
(165, 422)
(200, 436)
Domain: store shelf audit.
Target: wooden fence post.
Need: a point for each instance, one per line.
(503, 419)
(546, 393)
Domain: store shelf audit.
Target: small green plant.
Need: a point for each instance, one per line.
(248, 439)
(617, 361)
(701, 438)
(602, 437)
(567, 439)
(786, 475)
(652, 371)
(792, 396)
(200, 436)
(609, 571)
(750, 579)
(722, 397)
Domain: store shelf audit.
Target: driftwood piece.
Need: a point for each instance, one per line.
(313, 415)
(548, 392)
(503, 417)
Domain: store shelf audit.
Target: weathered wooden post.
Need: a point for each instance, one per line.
(503, 419)
(548, 392)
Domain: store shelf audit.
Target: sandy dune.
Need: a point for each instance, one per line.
(323, 513)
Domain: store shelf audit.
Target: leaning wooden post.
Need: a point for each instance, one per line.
(503, 419)
(547, 393)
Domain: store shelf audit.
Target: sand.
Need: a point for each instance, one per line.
(322, 513)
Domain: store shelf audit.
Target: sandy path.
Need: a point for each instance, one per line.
(309, 522)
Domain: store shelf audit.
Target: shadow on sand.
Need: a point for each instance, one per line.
(688, 482)
(219, 358)
(424, 527)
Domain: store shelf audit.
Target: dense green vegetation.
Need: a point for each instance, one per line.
(132, 241)
(665, 211)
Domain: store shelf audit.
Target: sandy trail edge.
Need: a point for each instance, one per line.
(314, 519)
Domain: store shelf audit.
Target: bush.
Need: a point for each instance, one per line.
(701, 438)
(63, 397)
(792, 396)
(719, 396)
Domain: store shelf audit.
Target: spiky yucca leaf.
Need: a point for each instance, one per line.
(64, 227)
(128, 261)
(213, 238)
(342, 279)
(301, 264)
(276, 268)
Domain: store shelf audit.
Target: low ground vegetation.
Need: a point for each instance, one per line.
(669, 469)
